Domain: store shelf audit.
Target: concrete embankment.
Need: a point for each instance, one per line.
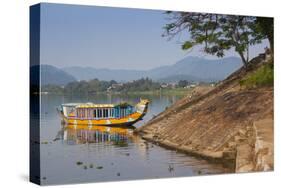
(258, 156)
(225, 157)
(224, 124)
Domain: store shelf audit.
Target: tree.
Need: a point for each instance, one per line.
(216, 32)
(265, 26)
(183, 83)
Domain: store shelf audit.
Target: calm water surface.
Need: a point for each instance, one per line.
(95, 154)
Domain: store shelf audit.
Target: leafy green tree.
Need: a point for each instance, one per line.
(265, 26)
(143, 84)
(216, 32)
(183, 83)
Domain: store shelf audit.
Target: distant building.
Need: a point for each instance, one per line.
(168, 85)
(113, 86)
(191, 85)
(116, 85)
(164, 85)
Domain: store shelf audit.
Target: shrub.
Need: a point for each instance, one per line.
(263, 76)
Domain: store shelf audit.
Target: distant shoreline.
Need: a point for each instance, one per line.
(170, 91)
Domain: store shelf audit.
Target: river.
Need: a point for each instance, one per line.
(69, 155)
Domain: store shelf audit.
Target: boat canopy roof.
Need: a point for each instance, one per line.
(92, 105)
(70, 104)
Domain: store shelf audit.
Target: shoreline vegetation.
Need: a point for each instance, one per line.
(143, 86)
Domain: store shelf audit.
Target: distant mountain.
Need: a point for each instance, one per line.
(189, 68)
(198, 69)
(88, 73)
(52, 75)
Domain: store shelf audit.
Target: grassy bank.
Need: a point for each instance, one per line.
(263, 76)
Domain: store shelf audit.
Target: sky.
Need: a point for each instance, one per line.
(115, 38)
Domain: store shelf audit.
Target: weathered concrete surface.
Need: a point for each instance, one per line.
(244, 159)
(214, 124)
(215, 127)
(264, 147)
(257, 156)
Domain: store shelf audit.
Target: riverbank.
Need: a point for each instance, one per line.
(164, 91)
(221, 124)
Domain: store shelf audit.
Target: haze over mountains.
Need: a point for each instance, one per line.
(190, 68)
(51, 75)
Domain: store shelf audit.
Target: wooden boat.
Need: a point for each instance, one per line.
(102, 114)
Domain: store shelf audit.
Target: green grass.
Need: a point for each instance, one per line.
(263, 76)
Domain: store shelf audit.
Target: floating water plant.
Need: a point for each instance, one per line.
(99, 167)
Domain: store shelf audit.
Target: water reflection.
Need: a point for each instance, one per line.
(80, 134)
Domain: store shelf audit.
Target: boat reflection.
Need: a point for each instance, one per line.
(81, 134)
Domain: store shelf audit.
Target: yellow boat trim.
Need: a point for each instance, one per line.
(112, 121)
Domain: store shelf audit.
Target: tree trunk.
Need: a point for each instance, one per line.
(245, 62)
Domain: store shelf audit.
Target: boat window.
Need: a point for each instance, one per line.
(117, 112)
(105, 113)
(99, 113)
(95, 113)
(111, 112)
(89, 113)
(78, 113)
